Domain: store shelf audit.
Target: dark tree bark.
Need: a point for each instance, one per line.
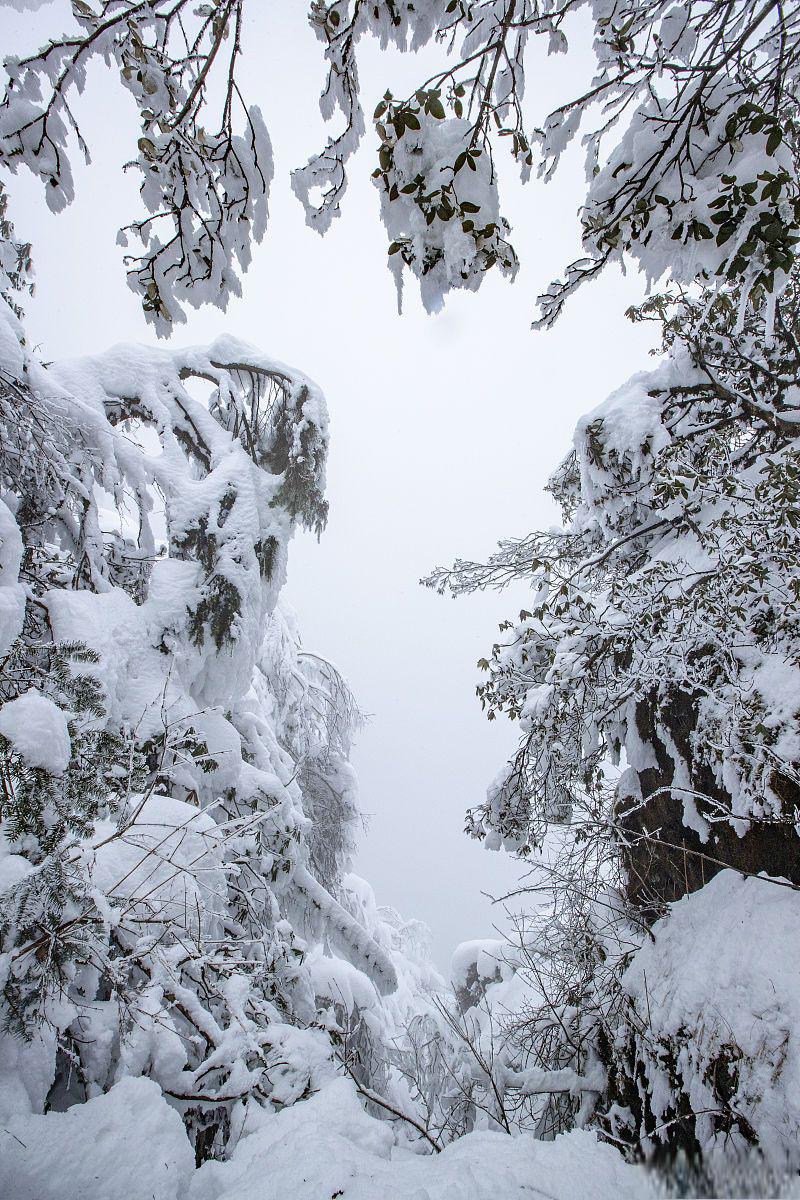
(663, 857)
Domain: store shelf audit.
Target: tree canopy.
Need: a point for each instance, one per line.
(687, 124)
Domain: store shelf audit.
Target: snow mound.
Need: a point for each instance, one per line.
(126, 1145)
(37, 729)
(725, 963)
(328, 1146)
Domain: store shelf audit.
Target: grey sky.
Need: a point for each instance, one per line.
(444, 429)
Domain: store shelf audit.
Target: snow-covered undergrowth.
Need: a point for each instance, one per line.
(701, 1038)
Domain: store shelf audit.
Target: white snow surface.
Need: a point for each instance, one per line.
(26, 1075)
(37, 729)
(126, 1145)
(329, 1146)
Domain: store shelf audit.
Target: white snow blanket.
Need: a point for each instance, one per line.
(125, 1145)
(37, 729)
(130, 1145)
(329, 1146)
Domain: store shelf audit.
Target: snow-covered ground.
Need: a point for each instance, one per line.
(130, 1145)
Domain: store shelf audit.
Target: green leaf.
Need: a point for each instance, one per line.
(436, 109)
(774, 140)
(468, 206)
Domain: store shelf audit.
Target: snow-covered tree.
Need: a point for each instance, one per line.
(687, 124)
(662, 637)
(673, 580)
(177, 808)
(655, 672)
(684, 105)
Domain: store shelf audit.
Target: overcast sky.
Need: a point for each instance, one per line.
(444, 429)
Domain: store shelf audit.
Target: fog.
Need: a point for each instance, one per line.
(444, 428)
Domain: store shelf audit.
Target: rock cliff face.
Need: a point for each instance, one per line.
(675, 835)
